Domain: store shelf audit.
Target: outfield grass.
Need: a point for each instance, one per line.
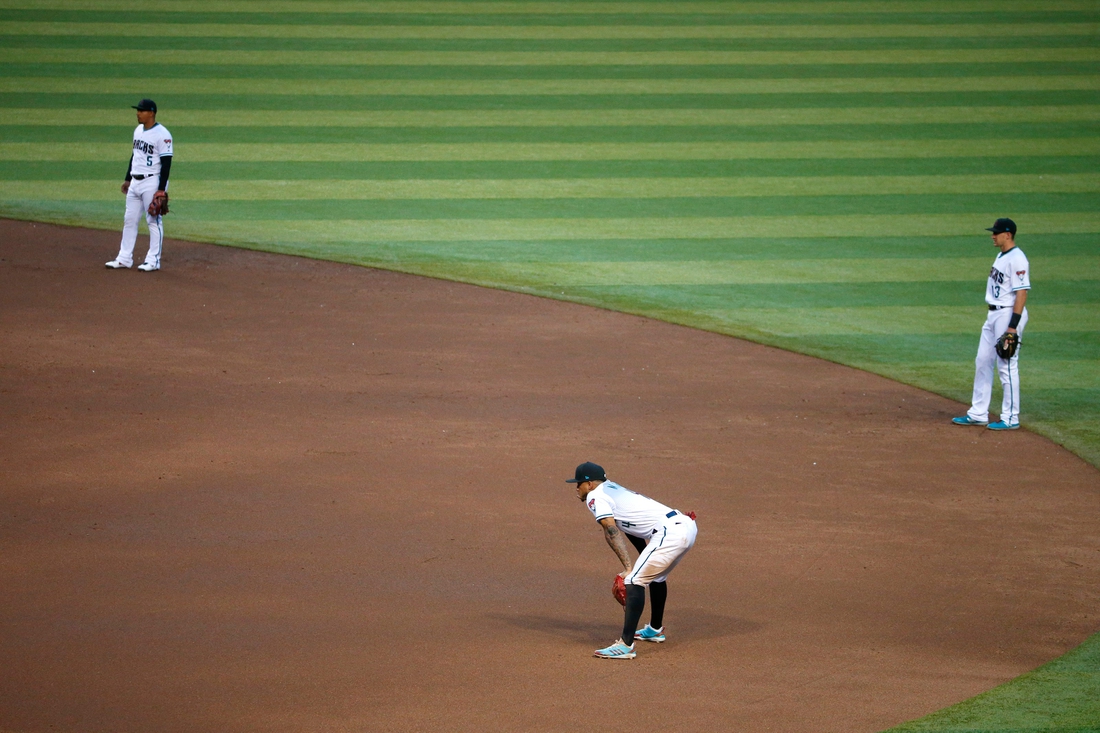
(813, 175)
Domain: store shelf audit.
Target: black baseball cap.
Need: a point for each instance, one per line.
(587, 471)
(1003, 225)
(146, 105)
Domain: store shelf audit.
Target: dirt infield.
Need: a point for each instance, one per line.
(261, 493)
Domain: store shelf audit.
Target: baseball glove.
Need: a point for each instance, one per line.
(618, 589)
(1007, 344)
(159, 207)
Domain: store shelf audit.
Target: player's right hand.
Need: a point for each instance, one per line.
(125, 186)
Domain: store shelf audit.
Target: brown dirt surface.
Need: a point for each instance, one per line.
(252, 492)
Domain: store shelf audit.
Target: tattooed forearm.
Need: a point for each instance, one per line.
(617, 542)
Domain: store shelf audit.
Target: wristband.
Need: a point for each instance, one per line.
(1014, 321)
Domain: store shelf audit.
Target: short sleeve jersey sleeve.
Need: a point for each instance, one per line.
(164, 144)
(1018, 276)
(600, 505)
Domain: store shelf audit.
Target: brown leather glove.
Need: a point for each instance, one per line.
(159, 207)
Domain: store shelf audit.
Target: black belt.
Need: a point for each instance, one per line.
(141, 178)
(997, 307)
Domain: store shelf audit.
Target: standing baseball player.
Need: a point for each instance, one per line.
(146, 188)
(662, 536)
(1006, 294)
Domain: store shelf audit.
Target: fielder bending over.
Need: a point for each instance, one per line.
(662, 536)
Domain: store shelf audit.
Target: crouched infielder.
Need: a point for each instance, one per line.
(662, 536)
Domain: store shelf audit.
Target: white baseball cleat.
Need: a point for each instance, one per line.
(116, 265)
(146, 267)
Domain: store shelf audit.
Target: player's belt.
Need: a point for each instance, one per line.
(141, 178)
(997, 307)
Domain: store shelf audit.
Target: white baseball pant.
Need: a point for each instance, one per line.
(996, 323)
(138, 199)
(664, 551)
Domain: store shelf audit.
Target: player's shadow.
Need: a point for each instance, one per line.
(581, 631)
(689, 624)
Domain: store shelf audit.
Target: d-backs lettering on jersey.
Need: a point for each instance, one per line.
(1008, 274)
(149, 147)
(634, 514)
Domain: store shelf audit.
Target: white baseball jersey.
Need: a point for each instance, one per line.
(149, 147)
(1008, 274)
(634, 514)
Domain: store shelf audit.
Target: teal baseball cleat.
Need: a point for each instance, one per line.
(967, 420)
(651, 634)
(1003, 426)
(618, 650)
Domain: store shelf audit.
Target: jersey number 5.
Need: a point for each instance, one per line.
(149, 160)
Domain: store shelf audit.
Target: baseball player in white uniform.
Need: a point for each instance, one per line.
(146, 175)
(662, 536)
(1006, 295)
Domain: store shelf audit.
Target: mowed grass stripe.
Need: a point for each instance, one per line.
(564, 72)
(619, 274)
(641, 46)
(162, 30)
(1040, 246)
(568, 118)
(222, 87)
(574, 135)
(963, 291)
(645, 46)
(474, 231)
(394, 171)
(591, 188)
(342, 152)
(1052, 373)
(468, 7)
(574, 20)
(169, 57)
(887, 320)
(334, 105)
(949, 352)
(681, 209)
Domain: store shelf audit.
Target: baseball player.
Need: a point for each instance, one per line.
(1006, 293)
(662, 536)
(145, 187)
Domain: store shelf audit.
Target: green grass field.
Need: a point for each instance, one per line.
(814, 175)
